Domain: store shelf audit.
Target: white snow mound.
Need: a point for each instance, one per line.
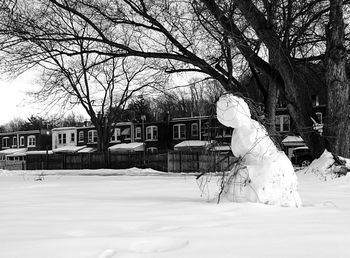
(325, 167)
(265, 174)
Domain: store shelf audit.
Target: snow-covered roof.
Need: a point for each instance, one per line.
(87, 150)
(191, 144)
(293, 141)
(17, 154)
(12, 151)
(23, 152)
(69, 149)
(39, 152)
(301, 148)
(291, 138)
(176, 119)
(124, 147)
(64, 128)
(123, 123)
(221, 148)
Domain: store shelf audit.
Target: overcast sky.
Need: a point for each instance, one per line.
(13, 99)
(15, 103)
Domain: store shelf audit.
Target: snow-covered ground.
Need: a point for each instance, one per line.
(71, 215)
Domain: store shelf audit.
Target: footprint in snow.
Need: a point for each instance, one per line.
(157, 245)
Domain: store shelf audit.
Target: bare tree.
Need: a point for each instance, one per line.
(16, 124)
(73, 71)
(204, 36)
(103, 88)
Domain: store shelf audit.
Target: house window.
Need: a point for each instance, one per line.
(21, 141)
(194, 129)
(14, 141)
(113, 136)
(227, 132)
(179, 131)
(219, 132)
(282, 123)
(62, 138)
(72, 137)
(116, 135)
(138, 133)
(17, 158)
(92, 136)
(319, 117)
(81, 136)
(205, 129)
(31, 141)
(5, 142)
(315, 100)
(126, 133)
(151, 133)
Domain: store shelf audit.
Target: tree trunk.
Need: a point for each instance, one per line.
(337, 126)
(100, 140)
(300, 104)
(271, 103)
(103, 133)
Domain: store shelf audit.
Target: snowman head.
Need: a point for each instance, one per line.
(233, 111)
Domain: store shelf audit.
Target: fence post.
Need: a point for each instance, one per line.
(46, 161)
(215, 165)
(64, 161)
(168, 158)
(180, 157)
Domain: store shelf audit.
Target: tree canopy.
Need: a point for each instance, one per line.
(221, 39)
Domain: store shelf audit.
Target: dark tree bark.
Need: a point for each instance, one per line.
(286, 72)
(271, 101)
(271, 104)
(300, 105)
(337, 129)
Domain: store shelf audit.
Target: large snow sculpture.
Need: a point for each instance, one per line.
(264, 173)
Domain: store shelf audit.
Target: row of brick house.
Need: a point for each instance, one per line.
(152, 137)
(189, 133)
(14, 146)
(160, 136)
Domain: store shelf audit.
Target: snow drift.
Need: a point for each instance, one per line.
(326, 167)
(163, 216)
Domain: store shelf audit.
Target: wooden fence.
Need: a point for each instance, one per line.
(172, 161)
(199, 162)
(13, 164)
(97, 160)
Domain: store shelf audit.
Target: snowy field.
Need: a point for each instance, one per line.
(149, 214)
